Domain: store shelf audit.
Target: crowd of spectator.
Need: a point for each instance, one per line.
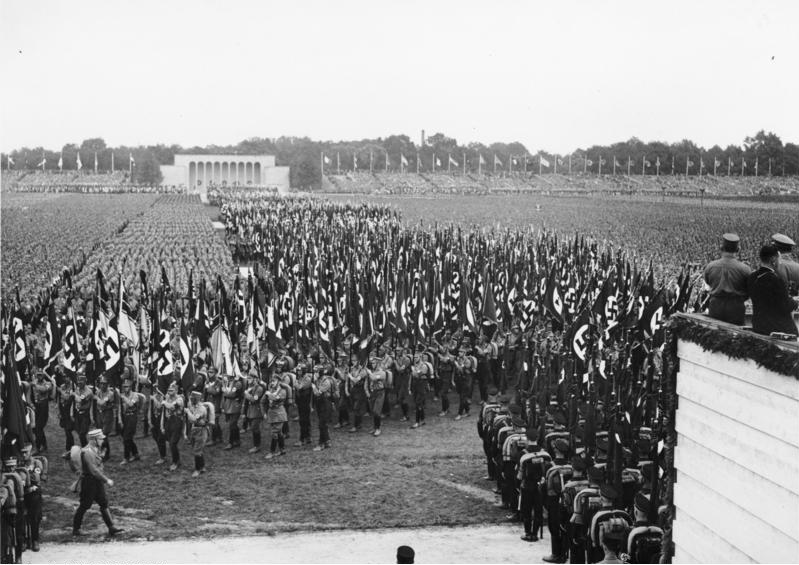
(520, 183)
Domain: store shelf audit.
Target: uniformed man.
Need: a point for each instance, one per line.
(197, 416)
(232, 400)
(130, 404)
(156, 410)
(12, 524)
(357, 390)
(213, 394)
(557, 476)
(325, 390)
(92, 484)
(83, 396)
(419, 386)
(386, 363)
(446, 376)
(341, 376)
(787, 269)
(375, 388)
(303, 397)
(172, 410)
(35, 470)
(465, 367)
(531, 473)
(402, 381)
(482, 353)
(66, 409)
(581, 461)
(726, 278)
(42, 390)
(105, 401)
(254, 414)
(276, 414)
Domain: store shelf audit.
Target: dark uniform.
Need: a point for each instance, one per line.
(726, 278)
(92, 485)
(42, 389)
(532, 469)
(130, 403)
(232, 400)
(325, 389)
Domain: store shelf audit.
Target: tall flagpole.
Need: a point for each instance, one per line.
(417, 162)
(371, 161)
(112, 160)
(555, 164)
(463, 155)
(386, 161)
(570, 163)
(643, 166)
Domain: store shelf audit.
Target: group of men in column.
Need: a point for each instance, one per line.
(342, 392)
(552, 473)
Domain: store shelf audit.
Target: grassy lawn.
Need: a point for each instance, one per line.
(404, 478)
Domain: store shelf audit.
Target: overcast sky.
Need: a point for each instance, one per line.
(554, 75)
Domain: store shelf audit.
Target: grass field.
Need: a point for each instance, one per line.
(404, 478)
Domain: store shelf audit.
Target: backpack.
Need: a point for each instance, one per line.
(431, 373)
(534, 469)
(644, 544)
(75, 462)
(40, 461)
(586, 504)
(211, 412)
(556, 477)
(603, 516)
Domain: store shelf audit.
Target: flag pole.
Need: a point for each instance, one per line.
(463, 155)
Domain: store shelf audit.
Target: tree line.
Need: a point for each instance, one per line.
(304, 156)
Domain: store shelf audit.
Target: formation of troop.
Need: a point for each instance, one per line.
(352, 316)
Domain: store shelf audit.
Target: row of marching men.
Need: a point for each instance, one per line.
(21, 502)
(547, 474)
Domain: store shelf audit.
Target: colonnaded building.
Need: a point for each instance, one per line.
(200, 172)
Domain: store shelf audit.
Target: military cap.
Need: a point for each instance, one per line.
(602, 443)
(559, 417)
(196, 394)
(531, 434)
(405, 554)
(607, 491)
(10, 461)
(596, 473)
(515, 409)
(504, 399)
(561, 445)
(782, 241)
(103, 380)
(95, 434)
(582, 461)
(731, 237)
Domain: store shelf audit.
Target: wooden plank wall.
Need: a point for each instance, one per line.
(737, 461)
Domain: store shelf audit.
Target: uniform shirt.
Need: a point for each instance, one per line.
(376, 381)
(173, 407)
(92, 463)
(726, 277)
(105, 399)
(130, 403)
(197, 414)
(83, 399)
(41, 390)
(324, 387)
(788, 270)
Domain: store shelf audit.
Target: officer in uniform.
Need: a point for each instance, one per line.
(726, 278)
(35, 469)
(341, 376)
(465, 366)
(303, 396)
(532, 470)
(375, 388)
(254, 413)
(507, 458)
(788, 269)
(557, 476)
(105, 400)
(42, 389)
(172, 409)
(83, 396)
(325, 390)
(13, 523)
(213, 394)
(130, 403)
(357, 382)
(581, 461)
(66, 409)
(197, 416)
(92, 484)
(483, 355)
(419, 385)
(402, 381)
(276, 414)
(232, 399)
(156, 410)
(446, 372)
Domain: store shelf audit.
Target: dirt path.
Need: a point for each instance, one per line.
(472, 544)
